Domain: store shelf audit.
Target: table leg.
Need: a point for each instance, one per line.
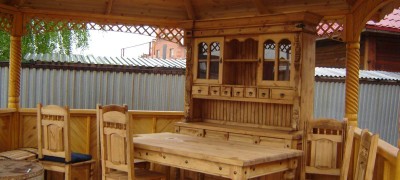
(237, 173)
(290, 173)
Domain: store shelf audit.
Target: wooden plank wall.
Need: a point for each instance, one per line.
(264, 114)
(84, 127)
(84, 133)
(6, 129)
(240, 73)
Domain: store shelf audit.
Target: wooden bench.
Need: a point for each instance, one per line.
(20, 154)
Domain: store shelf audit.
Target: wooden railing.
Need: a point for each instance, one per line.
(84, 126)
(387, 164)
(18, 129)
(8, 129)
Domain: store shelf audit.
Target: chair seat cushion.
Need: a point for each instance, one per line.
(75, 157)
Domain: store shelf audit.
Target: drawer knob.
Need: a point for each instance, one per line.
(215, 91)
(199, 91)
(237, 93)
(282, 95)
(225, 92)
(263, 94)
(250, 93)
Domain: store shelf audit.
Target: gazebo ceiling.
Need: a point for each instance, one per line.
(174, 15)
(186, 9)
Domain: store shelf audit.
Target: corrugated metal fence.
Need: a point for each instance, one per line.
(379, 106)
(84, 89)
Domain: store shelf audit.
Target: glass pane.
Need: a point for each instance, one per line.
(268, 70)
(269, 60)
(285, 52)
(215, 57)
(269, 49)
(202, 58)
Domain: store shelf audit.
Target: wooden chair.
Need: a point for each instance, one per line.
(325, 140)
(365, 163)
(54, 144)
(117, 147)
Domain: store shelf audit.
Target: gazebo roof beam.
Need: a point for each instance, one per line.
(262, 9)
(111, 19)
(17, 3)
(190, 10)
(109, 6)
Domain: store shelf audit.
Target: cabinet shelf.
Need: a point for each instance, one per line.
(243, 99)
(241, 60)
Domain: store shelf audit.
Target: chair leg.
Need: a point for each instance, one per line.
(68, 172)
(91, 171)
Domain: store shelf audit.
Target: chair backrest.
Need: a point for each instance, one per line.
(325, 140)
(53, 131)
(365, 163)
(116, 139)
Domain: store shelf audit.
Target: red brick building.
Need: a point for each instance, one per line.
(167, 50)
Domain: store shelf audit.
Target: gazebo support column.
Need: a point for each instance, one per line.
(15, 76)
(189, 76)
(14, 72)
(352, 82)
(15, 63)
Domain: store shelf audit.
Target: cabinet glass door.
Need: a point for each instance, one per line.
(208, 60)
(202, 60)
(214, 60)
(269, 60)
(275, 60)
(285, 53)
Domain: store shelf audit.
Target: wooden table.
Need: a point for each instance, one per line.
(19, 169)
(229, 159)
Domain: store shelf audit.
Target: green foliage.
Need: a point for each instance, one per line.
(50, 42)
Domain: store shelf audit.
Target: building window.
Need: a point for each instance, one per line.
(171, 52)
(158, 54)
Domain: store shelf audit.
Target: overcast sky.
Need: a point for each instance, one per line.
(103, 43)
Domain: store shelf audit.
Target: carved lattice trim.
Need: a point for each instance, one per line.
(6, 21)
(331, 28)
(38, 24)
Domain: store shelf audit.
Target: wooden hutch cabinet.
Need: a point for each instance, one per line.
(256, 87)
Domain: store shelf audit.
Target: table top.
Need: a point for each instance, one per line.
(19, 169)
(229, 152)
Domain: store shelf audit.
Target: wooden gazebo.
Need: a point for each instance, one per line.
(250, 63)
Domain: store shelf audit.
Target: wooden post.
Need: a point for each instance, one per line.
(15, 63)
(189, 76)
(369, 53)
(352, 81)
(15, 76)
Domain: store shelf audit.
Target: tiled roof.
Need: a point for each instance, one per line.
(101, 60)
(365, 75)
(390, 22)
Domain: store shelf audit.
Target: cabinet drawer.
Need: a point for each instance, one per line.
(250, 92)
(191, 131)
(215, 90)
(201, 90)
(226, 91)
(237, 92)
(216, 134)
(273, 142)
(241, 138)
(283, 94)
(263, 93)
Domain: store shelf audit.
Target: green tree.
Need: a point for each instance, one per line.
(50, 42)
